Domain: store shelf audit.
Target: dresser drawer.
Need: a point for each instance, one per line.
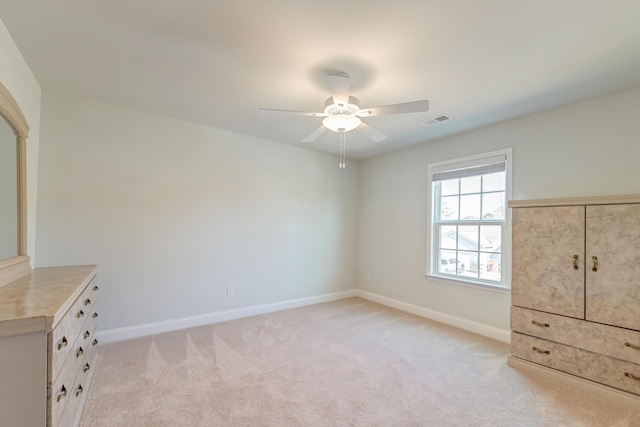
(64, 387)
(60, 393)
(80, 387)
(91, 356)
(73, 380)
(70, 327)
(86, 336)
(596, 367)
(70, 413)
(609, 340)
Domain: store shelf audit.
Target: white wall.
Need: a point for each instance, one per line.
(174, 212)
(17, 77)
(586, 149)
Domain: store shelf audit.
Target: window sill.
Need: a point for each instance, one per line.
(469, 283)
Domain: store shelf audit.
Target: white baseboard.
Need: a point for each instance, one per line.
(613, 395)
(137, 331)
(447, 319)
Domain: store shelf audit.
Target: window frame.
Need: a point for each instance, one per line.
(433, 246)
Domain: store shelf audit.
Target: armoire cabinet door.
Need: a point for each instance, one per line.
(546, 276)
(613, 290)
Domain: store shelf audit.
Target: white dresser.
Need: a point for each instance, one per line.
(47, 346)
(576, 292)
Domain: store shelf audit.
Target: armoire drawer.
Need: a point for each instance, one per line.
(608, 340)
(596, 367)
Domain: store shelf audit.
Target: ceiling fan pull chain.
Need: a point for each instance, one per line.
(341, 137)
(340, 164)
(342, 151)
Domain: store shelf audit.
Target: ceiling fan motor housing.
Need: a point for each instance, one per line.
(332, 107)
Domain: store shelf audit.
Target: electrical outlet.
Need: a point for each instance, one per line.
(230, 290)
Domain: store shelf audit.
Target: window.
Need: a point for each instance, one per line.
(470, 233)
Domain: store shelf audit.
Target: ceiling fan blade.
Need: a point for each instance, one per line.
(315, 134)
(292, 112)
(339, 85)
(405, 107)
(373, 134)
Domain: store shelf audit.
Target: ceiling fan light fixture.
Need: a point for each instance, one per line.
(341, 122)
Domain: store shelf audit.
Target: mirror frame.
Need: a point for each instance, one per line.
(16, 267)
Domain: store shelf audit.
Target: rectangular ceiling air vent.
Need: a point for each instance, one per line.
(438, 119)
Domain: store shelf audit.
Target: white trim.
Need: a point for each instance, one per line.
(137, 331)
(458, 322)
(468, 283)
(576, 201)
(611, 394)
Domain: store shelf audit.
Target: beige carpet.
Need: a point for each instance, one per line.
(344, 363)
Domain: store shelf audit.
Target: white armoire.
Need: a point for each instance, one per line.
(575, 312)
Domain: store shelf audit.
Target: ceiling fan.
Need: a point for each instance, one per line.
(342, 113)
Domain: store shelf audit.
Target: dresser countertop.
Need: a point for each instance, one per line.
(35, 299)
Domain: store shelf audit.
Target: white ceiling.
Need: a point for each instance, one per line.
(216, 62)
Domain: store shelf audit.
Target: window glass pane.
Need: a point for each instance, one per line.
(468, 237)
(447, 262)
(448, 237)
(490, 266)
(490, 238)
(449, 187)
(468, 264)
(471, 184)
(493, 206)
(493, 182)
(470, 207)
(449, 208)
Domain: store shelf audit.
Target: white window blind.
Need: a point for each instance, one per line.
(467, 169)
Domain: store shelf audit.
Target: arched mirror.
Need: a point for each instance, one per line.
(14, 261)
